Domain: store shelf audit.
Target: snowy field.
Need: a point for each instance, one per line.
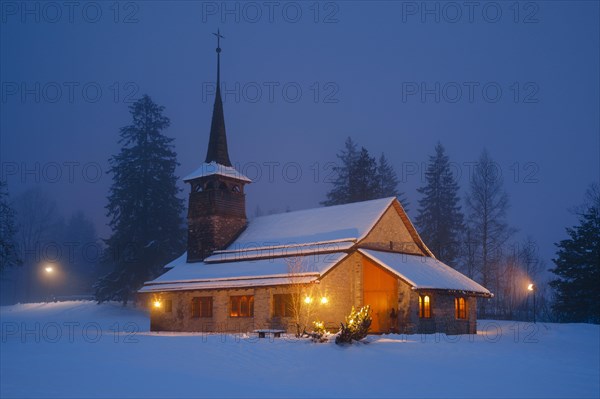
(80, 349)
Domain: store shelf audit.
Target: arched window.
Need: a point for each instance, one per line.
(241, 306)
(460, 308)
(424, 306)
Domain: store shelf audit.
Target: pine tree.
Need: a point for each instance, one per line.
(439, 218)
(578, 269)
(361, 178)
(487, 204)
(388, 182)
(143, 207)
(9, 254)
(340, 193)
(364, 185)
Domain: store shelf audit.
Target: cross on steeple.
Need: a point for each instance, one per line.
(219, 37)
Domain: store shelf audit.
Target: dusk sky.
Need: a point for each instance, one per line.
(520, 79)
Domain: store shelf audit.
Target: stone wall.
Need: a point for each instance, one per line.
(443, 315)
(342, 286)
(390, 234)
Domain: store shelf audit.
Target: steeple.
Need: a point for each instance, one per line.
(217, 144)
(217, 202)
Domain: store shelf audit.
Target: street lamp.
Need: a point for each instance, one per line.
(50, 271)
(531, 287)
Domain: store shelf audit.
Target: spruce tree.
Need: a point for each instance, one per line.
(440, 219)
(578, 270)
(143, 204)
(364, 185)
(361, 178)
(345, 171)
(388, 182)
(9, 254)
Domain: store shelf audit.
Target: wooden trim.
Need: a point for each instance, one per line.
(411, 229)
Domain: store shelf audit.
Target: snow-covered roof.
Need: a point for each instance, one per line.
(423, 272)
(349, 222)
(320, 238)
(176, 262)
(243, 273)
(213, 168)
(311, 231)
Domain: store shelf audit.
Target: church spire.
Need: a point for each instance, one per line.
(217, 144)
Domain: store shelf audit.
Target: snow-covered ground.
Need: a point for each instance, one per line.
(80, 349)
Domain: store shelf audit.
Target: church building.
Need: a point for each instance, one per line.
(239, 275)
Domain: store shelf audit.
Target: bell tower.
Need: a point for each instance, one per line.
(217, 203)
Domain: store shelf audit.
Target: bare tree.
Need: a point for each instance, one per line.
(486, 205)
(38, 222)
(36, 217)
(9, 255)
(519, 266)
(302, 294)
(468, 252)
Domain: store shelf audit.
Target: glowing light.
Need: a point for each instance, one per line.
(49, 269)
(307, 300)
(157, 304)
(530, 287)
(324, 300)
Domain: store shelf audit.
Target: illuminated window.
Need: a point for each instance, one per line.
(424, 306)
(202, 306)
(282, 305)
(168, 306)
(460, 307)
(241, 306)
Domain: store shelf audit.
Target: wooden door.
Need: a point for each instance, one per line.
(380, 291)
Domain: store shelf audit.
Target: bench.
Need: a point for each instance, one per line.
(264, 333)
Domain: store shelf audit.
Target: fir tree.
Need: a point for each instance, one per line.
(439, 218)
(361, 178)
(578, 269)
(341, 191)
(143, 207)
(9, 254)
(364, 184)
(388, 182)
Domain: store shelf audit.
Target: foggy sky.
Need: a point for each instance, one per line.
(395, 77)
